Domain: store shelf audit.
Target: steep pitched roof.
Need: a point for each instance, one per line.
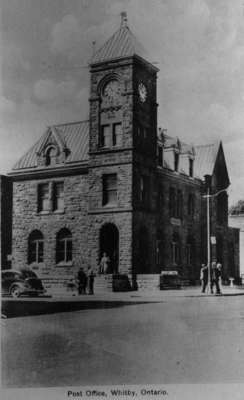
(205, 159)
(121, 44)
(73, 136)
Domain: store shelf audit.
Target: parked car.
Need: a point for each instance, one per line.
(23, 282)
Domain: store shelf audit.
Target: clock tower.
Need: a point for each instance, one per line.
(122, 150)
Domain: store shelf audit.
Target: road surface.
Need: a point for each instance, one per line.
(178, 340)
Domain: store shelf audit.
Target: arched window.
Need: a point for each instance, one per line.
(175, 249)
(64, 246)
(51, 156)
(35, 247)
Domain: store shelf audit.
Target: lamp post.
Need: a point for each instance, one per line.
(208, 184)
(208, 196)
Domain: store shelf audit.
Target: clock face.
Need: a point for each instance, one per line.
(111, 91)
(142, 90)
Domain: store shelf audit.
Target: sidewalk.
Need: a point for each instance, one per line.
(27, 306)
(149, 295)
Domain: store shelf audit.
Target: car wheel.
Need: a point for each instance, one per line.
(15, 291)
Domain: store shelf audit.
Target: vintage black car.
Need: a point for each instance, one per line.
(23, 282)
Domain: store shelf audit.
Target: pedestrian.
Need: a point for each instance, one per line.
(104, 264)
(82, 281)
(204, 277)
(219, 273)
(215, 275)
(91, 277)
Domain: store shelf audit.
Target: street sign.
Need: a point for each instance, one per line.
(169, 273)
(213, 239)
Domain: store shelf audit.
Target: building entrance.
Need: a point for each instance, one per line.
(109, 244)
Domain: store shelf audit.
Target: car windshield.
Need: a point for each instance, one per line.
(27, 274)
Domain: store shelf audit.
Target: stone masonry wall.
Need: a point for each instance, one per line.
(187, 226)
(26, 219)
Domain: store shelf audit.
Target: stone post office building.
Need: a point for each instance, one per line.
(118, 184)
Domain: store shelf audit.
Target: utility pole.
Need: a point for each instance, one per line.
(208, 239)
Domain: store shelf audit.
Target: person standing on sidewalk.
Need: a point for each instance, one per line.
(91, 277)
(204, 277)
(215, 275)
(82, 281)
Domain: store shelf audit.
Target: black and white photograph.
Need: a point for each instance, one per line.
(122, 199)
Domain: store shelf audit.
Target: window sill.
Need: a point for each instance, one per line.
(43, 212)
(65, 264)
(110, 205)
(50, 212)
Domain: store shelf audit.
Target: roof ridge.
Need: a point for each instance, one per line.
(208, 144)
(68, 123)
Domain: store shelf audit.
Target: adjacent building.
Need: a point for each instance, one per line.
(5, 221)
(236, 219)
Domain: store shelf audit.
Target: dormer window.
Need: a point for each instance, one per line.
(176, 162)
(190, 167)
(51, 156)
(160, 156)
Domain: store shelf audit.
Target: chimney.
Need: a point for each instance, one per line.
(123, 16)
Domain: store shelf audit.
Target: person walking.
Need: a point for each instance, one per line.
(104, 264)
(91, 277)
(204, 277)
(215, 275)
(82, 281)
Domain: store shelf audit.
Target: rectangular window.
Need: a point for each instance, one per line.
(104, 136)
(117, 134)
(188, 254)
(58, 196)
(110, 189)
(191, 204)
(172, 202)
(175, 253)
(144, 189)
(43, 197)
(179, 207)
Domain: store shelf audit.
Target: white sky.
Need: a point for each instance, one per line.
(198, 45)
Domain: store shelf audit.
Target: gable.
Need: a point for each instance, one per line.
(220, 174)
(71, 143)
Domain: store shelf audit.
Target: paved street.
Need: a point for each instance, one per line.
(177, 340)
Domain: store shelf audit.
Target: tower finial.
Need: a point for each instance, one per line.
(123, 16)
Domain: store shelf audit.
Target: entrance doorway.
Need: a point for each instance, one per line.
(109, 244)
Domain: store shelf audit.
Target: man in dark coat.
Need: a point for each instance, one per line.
(215, 275)
(204, 277)
(82, 281)
(91, 277)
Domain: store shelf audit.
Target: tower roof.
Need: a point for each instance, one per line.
(121, 44)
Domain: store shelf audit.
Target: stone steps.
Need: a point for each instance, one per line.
(103, 283)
